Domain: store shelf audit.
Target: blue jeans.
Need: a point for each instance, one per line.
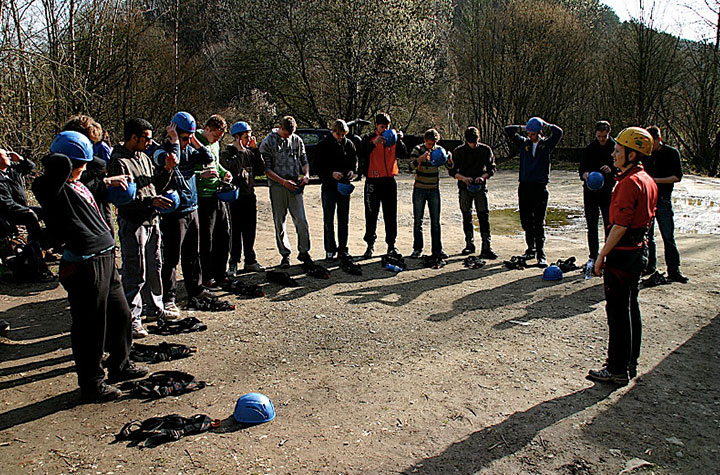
(666, 223)
(432, 198)
(330, 201)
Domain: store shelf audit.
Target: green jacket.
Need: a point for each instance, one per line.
(207, 187)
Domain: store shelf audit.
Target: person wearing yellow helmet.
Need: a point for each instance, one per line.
(625, 254)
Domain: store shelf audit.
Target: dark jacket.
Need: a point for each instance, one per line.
(335, 156)
(71, 218)
(13, 200)
(594, 157)
(235, 161)
(367, 146)
(472, 162)
(183, 179)
(534, 169)
(150, 182)
(664, 163)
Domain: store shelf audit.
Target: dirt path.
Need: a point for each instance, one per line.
(428, 371)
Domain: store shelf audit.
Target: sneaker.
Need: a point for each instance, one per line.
(232, 269)
(305, 258)
(392, 251)
(285, 262)
(254, 267)
(469, 249)
(344, 255)
(442, 255)
(488, 254)
(368, 252)
(102, 393)
(171, 311)
(542, 262)
(329, 256)
(649, 271)
(138, 331)
(529, 254)
(677, 276)
(131, 371)
(605, 376)
(415, 254)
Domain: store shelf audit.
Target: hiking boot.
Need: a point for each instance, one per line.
(677, 276)
(393, 252)
(469, 249)
(649, 271)
(605, 376)
(329, 256)
(442, 255)
(131, 371)
(488, 254)
(305, 258)
(102, 393)
(368, 252)
(542, 262)
(138, 331)
(415, 254)
(344, 255)
(285, 262)
(171, 311)
(254, 267)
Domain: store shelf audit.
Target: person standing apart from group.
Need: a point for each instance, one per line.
(473, 165)
(337, 165)
(624, 255)
(535, 162)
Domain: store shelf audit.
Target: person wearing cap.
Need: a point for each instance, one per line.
(213, 212)
(100, 312)
(426, 190)
(337, 164)
(378, 162)
(597, 157)
(473, 165)
(242, 159)
(138, 224)
(665, 166)
(624, 255)
(288, 171)
(181, 228)
(535, 161)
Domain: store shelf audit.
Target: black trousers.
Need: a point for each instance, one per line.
(480, 200)
(380, 192)
(243, 226)
(533, 200)
(100, 317)
(596, 203)
(214, 238)
(622, 279)
(181, 243)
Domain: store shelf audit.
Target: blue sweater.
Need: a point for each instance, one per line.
(534, 169)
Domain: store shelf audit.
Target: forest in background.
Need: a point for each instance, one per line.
(436, 63)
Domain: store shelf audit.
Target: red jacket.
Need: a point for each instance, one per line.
(633, 206)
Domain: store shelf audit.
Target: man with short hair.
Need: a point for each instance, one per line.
(378, 162)
(473, 165)
(138, 224)
(288, 171)
(535, 161)
(597, 158)
(14, 208)
(665, 166)
(213, 213)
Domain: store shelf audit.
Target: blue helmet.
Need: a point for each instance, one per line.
(552, 272)
(254, 408)
(73, 145)
(299, 190)
(390, 137)
(119, 196)
(228, 193)
(173, 196)
(535, 124)
(345, 189)
(438, 157)
(475, 187)
(239, 128)
(185, 122)
(595, 181)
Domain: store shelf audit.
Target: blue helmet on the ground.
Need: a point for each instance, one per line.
(595, 181)
(228, 193)
(173, 196)
(345, 189)
(239, 128)
(254, 408)
(535, 124)
(73, 145)
(390, 137)
(184, 121)
(438, 157)
(552, 272)
(119, 196)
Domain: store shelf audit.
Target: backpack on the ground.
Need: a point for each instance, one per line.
(156, 430)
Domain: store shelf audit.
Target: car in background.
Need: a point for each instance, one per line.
(312, 137)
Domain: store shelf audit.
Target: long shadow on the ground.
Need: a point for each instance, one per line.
(672, 400)
(40, 409)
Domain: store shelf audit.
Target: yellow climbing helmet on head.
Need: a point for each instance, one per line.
(637, 139)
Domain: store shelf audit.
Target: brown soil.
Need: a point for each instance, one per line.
(428, 371)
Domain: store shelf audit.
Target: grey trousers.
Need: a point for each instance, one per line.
(141, 265)
(283, 201)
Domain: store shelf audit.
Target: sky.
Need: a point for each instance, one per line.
(680, 17)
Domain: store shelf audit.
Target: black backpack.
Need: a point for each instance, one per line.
(157, 430)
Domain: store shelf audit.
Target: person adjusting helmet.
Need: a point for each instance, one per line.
(73, 145)
(239, 127)
(535, 124)
(254, 408)
(185, 122)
